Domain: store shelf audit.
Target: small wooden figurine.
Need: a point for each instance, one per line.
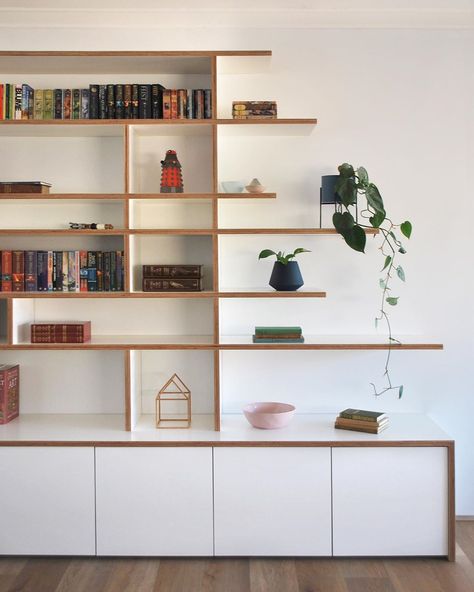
(173, 391)
(171, 176)
(92, 226)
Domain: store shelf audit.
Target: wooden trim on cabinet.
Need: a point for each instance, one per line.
(139, 54)
(451, 503)
(127, 391)
(9, 321)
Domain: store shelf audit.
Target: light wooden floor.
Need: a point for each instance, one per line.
(243, 575)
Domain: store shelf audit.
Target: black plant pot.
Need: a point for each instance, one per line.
(286, 278)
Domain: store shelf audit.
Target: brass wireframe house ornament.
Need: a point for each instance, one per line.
(173, 396)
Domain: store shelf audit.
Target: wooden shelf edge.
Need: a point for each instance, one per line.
(196, 294)
(139, 54)
(158, 122)
(164, 231)
(131, 196)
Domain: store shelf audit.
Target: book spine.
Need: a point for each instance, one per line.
(144, 105)
(83, 271)
(77, 269)
(113, 271)
(42, 270)
(119, 271)
(127, 101)
(48, 99)
(107, 271)
(102, 101)
(365, 430)
(58, 103)
(170, 271)
(24, 100)
(64, 270)
(57, 286)
(50, 271)
(71, 271)
(156, 102)
(278, 330)
(2, 102)
(100, 271)
(85, 103)
(119, 102)
(7, 284)
(166, 104)
(18, 100)
(93, 101)
(207, 103)
(110, 101)
(9, 394)
(198, 104)
(18, 271)
(91, 271)
(171, 285)
(31, 271)
(174, 104)
(135, 101)
(38, 104)
(67, 103)
(257, 339)
(182, 102)
(31, 102)
(356, 416)
(189, 104)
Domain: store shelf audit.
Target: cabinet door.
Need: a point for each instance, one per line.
(272, 501)
(390, 501)
(47, 501)
(154, 501)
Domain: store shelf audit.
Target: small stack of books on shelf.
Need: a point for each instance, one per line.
(104, 101)
(24, 187)
(278, 335)
(360, 420)
(9, 392)
(172, 278)
(61, 271)
(67, 332)
(254, 110)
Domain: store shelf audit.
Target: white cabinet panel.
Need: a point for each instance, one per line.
(47, 501)
(272, 501)
(390, 501)
(154, 501)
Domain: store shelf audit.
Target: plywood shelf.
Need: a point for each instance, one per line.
(331, 343)
(59, 232)
(132, 196)
(263, 293)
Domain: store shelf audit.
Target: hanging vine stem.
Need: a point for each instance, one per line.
(351, 183)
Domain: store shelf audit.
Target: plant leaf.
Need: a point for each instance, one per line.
(377, 219)
(363, 175)
(300, 250)
(392, 300)
(388, 260)
(290, 256)
(346, 189)
(374, 198)
(382, 283)
(376, 322)
(355, 238)
(402, 250)
(266, 253)
(343, 221)
(346, 170)
(401, 273)
(400, 391)
(406, 228)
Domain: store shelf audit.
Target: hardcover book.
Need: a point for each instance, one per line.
(258, 339)
(48, 99)
(119, 102)
(171, 285)
(172, 271)
(24, 187)
(157, 101)
(76, 103)
(94, 101)
(7, 271)
(38, 104)
(85, 103)
(67, 332)
(127, 101)
(18, 271)
(31, 271)
(102, 101)
(67, 103)
(9, 392)
(110, 101)
(135, 101)
(58, 103)
(144, 105)
(363, 415)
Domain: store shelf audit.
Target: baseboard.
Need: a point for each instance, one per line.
(464, 518)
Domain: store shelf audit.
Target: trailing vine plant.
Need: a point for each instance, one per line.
(351, 184)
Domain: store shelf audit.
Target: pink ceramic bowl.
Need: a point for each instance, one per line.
(269, 416)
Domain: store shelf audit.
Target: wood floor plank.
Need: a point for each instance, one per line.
(86, 575)
(465, 537)
(9, 570)
(362, 568)
(273, 575)
(181, 575)
(373, 584)
(40, 575)
(319, 575)
(227, 575)
(413, 575)
(132, 575)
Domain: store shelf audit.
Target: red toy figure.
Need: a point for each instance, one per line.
(171, 177)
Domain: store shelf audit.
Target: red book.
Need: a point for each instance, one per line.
(166, 104)
(18, 271)
(174, 104)
(69, 332)
(83, 273)
(6, 271)
(9, 392)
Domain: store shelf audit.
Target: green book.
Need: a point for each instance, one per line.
(363, 415)
(257, 339)
(277, 330)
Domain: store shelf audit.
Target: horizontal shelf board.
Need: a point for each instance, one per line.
(59, 231)
(406, 429)
(330, 342)
(270, 293)
(307, 231)
(262, 293)
(132, 196)
(57, 128)
(124, 342)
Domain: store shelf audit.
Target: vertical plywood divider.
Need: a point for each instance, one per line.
(126, 207)
(9, 321)
(127, 390)
(215, 244)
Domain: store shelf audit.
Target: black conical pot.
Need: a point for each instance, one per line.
(286, 278)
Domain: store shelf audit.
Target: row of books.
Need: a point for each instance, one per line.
(171, 278)
(61, 332)
(9, 392)
(278, 335)
(61, 271)
(104, 101)
(254, 110)
(360, 420)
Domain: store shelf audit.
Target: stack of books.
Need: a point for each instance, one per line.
(9, 392)
(67, 332)
(278, 335)
(254, 110)
(172, 278)
(24, 187)
(360, 420)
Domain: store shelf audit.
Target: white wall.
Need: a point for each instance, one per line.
(398, 101)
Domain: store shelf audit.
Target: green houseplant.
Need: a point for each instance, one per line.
(286, 275)
(353, 184)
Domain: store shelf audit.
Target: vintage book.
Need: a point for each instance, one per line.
(85, 103)
(18, 271)
(182, 102)
(127, 101)
(172, 271)
(279, 330)
(135, 101)
(375, 430)
(100, 271)
(189, 104)
(93, 101)
(48, 103)
(174, 103)
(250, 105)
(198, 104)
(167, 104)
(42, 270)
(24, 187)
(27, 94)
(357, 423)
(71, 271)
(363, 415)
(110, 101)
(157, 101)
(7, 271)
(144, 105)
(119, 102)
(83, 271)
(31, 271)
(9, 392)
(38, 104)
(107, 287)
(258, 339)
(113, 271)
(57, 332)
(102, 101)
(76, 103)
(58, 103)
(255, 112)
(207, 104)
(171, 285)
(91, 271)
(254, 116)
(57, 271)
(119, 271)
(50, 271)
(67, 103)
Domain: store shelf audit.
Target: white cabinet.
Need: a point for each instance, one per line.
(47, 501)
(390, 501)
(154, 501)
(272, 501)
